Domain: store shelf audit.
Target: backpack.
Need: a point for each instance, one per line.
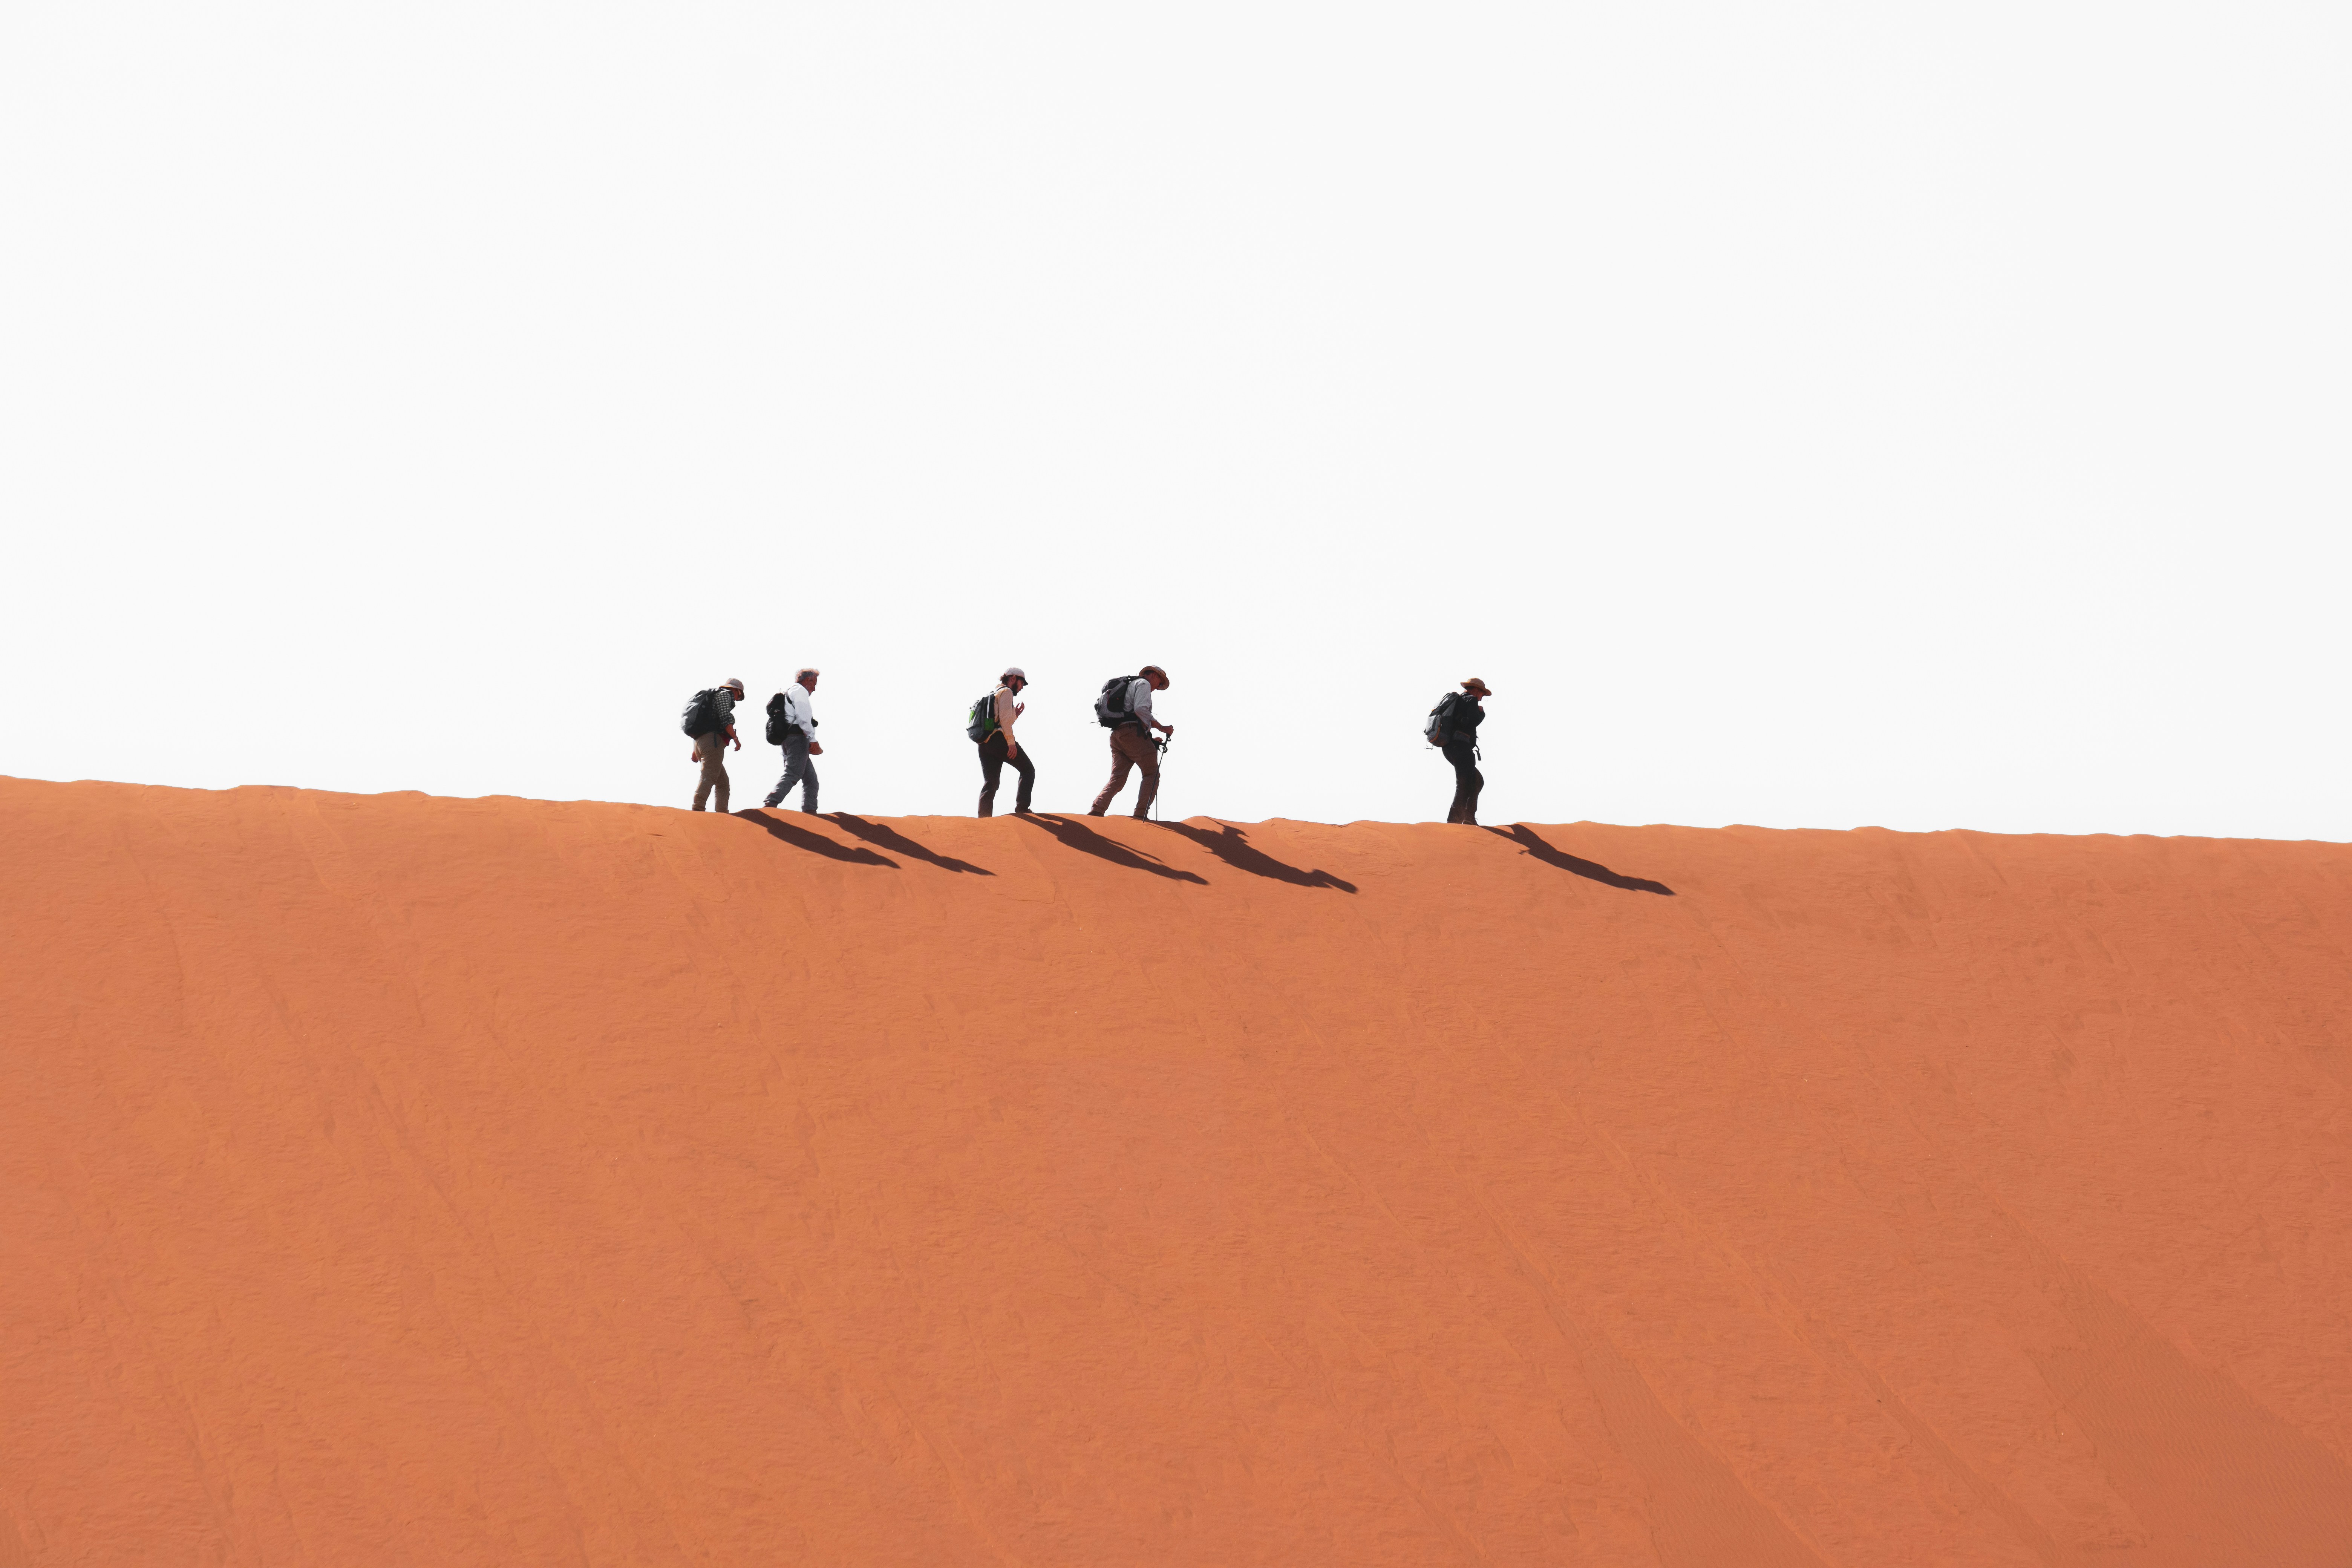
(981, 722)
(1440, 719)
(1110, 708)
(780, 724)
(702, 715)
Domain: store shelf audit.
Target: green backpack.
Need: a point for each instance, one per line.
(981, 722)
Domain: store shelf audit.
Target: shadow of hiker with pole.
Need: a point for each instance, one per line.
(1525, 837)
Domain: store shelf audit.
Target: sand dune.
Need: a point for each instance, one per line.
(396, 1180)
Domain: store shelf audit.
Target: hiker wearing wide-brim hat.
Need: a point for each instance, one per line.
(1453, 726)
(992, 717)
(710, 719)
(1125, 709)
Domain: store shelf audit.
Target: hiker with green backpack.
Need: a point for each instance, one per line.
(709, 718)
(1125, 709)
(991, 723)
(1452, 728)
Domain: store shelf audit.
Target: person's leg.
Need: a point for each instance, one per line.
(808, 781)
(784, 781)
(1028, 772)
(1467, 782)
(992, 768)
(714, 770)
(1459, 757)
(795, 750)
(1119, 763)
(1147, 760)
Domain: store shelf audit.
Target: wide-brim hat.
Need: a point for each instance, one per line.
(1478, 686)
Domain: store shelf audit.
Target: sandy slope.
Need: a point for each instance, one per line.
(396, 1180)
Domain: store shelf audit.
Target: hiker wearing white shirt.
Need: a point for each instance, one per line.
(999, 746)
(1125, 709)
(792, 724)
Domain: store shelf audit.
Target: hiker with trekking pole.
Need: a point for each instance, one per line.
(990, 723)
(1452, 728)
(709, 718)
(1125, 709)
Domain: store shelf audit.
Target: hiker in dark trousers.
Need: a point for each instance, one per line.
(710, 719)
(1127, 713)
(1458, 719)
(998, 747)
(792, 724)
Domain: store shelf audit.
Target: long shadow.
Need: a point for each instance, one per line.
(891, 838)
(1233, 846)
(814, 843)
(1590, 870)
(1087, 841)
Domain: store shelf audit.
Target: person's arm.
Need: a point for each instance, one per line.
(1007, 711)
(1138, 704)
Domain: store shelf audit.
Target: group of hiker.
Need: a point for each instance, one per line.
(1123, 707)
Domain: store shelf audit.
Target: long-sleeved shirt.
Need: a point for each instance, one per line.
(1462, 723)
(723, 704)
(1138, 701)
(798, 709)
(1007, 711)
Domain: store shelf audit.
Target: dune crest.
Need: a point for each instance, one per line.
(393, 1179)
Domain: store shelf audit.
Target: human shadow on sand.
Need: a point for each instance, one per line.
(1232, 846)
(814, 843)
(891, 838)
(1590, 870)
(1087, 841)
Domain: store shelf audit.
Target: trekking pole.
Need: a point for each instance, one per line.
(1161, 742)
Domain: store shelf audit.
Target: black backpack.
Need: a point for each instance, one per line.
(981, 722)
(702, 715)
(779, 720)
(1441, 719)
(1110, 708)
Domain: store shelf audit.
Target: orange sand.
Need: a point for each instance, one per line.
(396, 1180)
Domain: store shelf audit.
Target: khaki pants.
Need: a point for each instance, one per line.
(713, 748)
(1131, 747)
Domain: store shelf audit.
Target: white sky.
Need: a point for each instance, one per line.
(1802, 414)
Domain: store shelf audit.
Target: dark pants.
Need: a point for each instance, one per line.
(798, 770)
(1467, 780)
(992, 768)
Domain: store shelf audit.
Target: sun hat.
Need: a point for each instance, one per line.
(1478, 686)
(736, 683)
(1013, 672)
(1155, 669)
